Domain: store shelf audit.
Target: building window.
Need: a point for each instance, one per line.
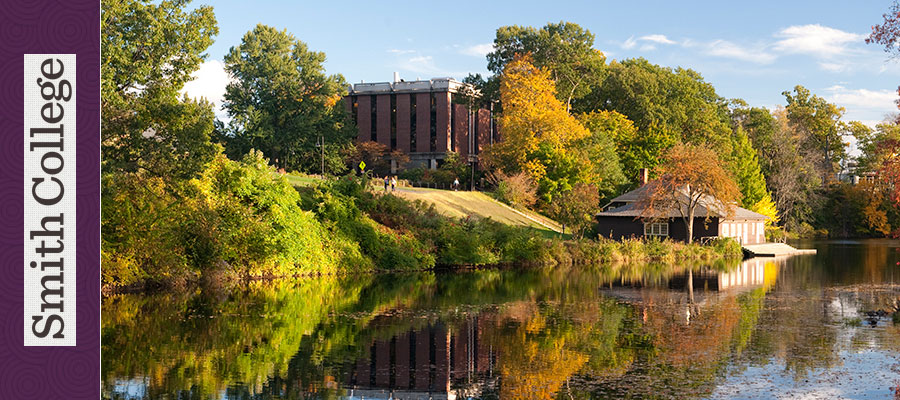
(452, 126)
(393, 121)
(433, 146)
(355, 108)
(656, 229)
(412, 122)
(374, 137)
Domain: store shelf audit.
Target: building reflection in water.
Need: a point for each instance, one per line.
(420, 364)
(448, 362)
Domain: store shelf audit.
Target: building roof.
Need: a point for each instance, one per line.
(707, 207)
(631, 196)
(400, 86)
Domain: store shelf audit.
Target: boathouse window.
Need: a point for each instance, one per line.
(656, 229)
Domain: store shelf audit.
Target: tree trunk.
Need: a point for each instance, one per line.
(690, 226)
(690, 285)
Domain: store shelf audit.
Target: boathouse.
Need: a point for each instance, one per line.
(622, 218)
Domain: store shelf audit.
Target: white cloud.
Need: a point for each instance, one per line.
(724, 48)
(657, 38)
(862, 98)
(867, 106)
(478, 50)
(816, 40)
(209, 82)
(631, 42)
(398, 51)
(835, 67)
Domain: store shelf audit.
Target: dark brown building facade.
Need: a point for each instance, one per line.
(421, 118)
(622, 218)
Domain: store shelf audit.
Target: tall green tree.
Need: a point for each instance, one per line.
(615, 149)
(867, 143)
(564, 49)
(672, 100)
(794, 179)
(760, 126)
(744, 167)
(149, 50)
(281, 101)
(819, 122)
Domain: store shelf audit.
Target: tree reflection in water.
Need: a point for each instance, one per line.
(647, 331)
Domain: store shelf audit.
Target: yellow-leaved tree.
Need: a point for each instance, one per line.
(535, 127)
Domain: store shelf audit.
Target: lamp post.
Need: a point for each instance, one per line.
(320, 143)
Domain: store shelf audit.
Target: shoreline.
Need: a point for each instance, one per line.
(184, 284)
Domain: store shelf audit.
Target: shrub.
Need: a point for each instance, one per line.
(726, 246)
(339, 206)
(516, 190)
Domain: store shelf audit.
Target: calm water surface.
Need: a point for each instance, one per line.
(763, 328)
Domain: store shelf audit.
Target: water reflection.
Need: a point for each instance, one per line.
(647, 331)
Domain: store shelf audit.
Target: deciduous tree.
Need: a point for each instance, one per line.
(563, 49)
(689, 176)
(149, 50)
(281, 100)
(634, 149)
(675, 101)
(534, 122)
(819, 122)
(575, 208)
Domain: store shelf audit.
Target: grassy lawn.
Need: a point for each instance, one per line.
(460, 205)
(299, 180)
(476, 204)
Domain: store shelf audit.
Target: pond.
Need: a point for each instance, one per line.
(811, 326)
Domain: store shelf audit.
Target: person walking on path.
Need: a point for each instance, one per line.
(387, 181)
(455, 184)
(393, 183)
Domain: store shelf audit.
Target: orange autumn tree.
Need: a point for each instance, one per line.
(533, 121)
(689, 176)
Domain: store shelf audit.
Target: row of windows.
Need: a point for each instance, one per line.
(656, 229)
(737, 229)
(413, 121)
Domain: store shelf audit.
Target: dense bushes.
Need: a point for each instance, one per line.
(335, 206)
(234, 218)
(637, 250)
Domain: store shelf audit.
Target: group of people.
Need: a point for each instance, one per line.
(390, 180)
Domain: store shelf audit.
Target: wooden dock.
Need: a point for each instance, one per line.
(774, 250)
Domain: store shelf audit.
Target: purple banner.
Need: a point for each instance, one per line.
(50, 372)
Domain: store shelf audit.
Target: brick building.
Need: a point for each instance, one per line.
(421, 118)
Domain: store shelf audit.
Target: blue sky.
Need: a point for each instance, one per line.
(749, 50)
